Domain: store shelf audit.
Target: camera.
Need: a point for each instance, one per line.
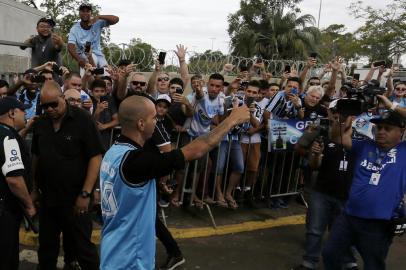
(56, 70)
(98, 71)
(359, 100)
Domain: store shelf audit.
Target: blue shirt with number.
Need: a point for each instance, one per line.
(129, 212)
(379, 181)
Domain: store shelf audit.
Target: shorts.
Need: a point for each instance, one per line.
(253, 157)
(236, 159)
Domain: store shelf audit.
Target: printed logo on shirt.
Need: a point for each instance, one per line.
(392, 154)
(13, 159)
(109, 203)
(371, 166)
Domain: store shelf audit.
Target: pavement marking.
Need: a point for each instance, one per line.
(31, 239)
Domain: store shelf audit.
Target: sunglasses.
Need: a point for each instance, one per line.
(74, 100)
(400, 89)
(135, 83)
(314, 83)
(53, 105)
(165, 79)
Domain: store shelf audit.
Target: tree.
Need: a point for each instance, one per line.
(383, 36)
(264, 28)
(335, 41)
(207, 62)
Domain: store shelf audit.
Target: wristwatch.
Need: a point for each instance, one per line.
(84, 194)
(393, 107)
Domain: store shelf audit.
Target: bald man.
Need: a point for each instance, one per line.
(127, 180)
(72, 96)
(67, 152)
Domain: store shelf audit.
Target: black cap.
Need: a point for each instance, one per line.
(9, 103)
(85, 6)
(390, 118)
(49, 21)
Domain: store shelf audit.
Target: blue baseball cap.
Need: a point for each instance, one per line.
(9, 103)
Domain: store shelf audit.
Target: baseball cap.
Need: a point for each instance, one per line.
(9, 103)
(85, 6)
(49, 21)
(390, 118)
(164, 98)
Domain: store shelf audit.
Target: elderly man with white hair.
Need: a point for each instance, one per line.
(312, 108)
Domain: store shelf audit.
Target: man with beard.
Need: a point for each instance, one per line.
(46, 46)
(88, 30)
(66, 160)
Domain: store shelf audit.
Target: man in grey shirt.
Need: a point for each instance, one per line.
(46, 46)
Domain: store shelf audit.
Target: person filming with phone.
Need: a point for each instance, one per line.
(46, 46)
(84, 36)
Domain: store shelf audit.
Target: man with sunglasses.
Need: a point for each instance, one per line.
(66, 156)
(136, 84)
(376, 194)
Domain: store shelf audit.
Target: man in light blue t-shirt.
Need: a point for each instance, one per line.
(376, 194)
(88, 30)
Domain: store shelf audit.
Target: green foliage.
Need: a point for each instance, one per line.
(383, 36)
(207, 62)
(136, 51)
(335, 41)
(259, 28)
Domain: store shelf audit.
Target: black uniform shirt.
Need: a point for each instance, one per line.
(144, 163)
(63, 156)
(14, 161)
(331, 179)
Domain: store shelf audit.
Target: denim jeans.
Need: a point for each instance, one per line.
(236, 158)
(323, 209)
(372, 239)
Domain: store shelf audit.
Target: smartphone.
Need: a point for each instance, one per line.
(104, 98)
(161, 58)
(179, 91)
(98, 71)
(56, 69)
(287, 69)
(379, 63)
(249, 100)
(87, 46)
(356, 76)
(294, 91)
(313, 55)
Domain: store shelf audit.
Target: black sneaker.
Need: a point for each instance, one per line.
(172, 263)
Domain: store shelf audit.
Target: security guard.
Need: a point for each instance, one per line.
(14, 195)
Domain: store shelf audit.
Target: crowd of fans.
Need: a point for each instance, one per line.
(99, 89)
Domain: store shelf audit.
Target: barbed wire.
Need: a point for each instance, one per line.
(199, 63)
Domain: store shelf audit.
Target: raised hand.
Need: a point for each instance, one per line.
(181, 52)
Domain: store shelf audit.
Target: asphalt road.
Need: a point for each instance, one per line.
(274, 249)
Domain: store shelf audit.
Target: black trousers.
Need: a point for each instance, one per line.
(171, 247)
(9, 238)
(75, 229)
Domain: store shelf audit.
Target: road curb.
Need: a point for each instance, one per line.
(31, 239)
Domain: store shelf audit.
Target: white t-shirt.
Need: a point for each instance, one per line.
(205, 109)
(259, 111)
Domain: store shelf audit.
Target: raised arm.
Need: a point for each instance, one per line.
(311, 62)
(184, 71)
(151, 88)
(111, 19)
(370, 73)
(72, 51)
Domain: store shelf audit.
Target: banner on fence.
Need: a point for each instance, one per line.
(284, 133)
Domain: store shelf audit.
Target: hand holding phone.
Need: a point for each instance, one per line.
(88, 44)
(161, 58)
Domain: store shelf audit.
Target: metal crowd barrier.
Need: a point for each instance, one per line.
(278, 176)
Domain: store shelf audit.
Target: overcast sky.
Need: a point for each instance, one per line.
(200, 24)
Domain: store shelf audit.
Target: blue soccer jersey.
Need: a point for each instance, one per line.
(129, 212)
(379, 181)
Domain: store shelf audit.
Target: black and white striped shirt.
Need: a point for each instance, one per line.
(280, 107)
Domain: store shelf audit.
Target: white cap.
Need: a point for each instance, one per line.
(163, 97)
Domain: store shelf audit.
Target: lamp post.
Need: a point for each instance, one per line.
(318, 22)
